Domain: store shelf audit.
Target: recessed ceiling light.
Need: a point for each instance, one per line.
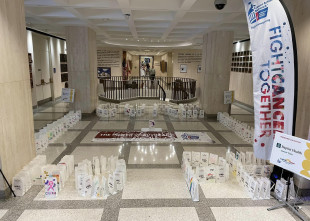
(138, 40)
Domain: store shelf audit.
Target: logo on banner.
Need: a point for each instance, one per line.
(256, 13)
(287, 161)
(187, 136)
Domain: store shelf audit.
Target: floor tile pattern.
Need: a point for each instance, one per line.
(155, 189)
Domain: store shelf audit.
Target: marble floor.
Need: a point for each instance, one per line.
(155, 188)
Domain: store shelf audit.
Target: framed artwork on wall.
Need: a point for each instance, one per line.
(198, 68)
(104, 72)
(183, 68)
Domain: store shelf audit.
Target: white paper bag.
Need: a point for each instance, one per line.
(118, 176)
(204, 157)
(201, 114)
(187, 155)
(112, 184)
(248, 158)
(87, 185)
(96, 166)
(195, 114)
(104, 187)
(194, 190)
(139, 112)
(258, 170)
(96, 187)
(211, 173)
(213, 159)
(155, 112)
(280, 190)
(51, 188)
(189, 114)
(195, 158)
(242, 157)
(200, 174)
(103, 164)
(221, 174)
(253, 187)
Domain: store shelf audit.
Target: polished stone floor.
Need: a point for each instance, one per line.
(155, 188)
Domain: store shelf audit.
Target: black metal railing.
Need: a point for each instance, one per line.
(174, 88)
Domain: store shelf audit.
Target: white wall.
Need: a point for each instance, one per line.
(30, 50)
(57, 47)
(41, 66)
(45, 52)
(116, 70)
(191, 66)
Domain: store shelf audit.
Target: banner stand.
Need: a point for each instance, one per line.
(292, 205)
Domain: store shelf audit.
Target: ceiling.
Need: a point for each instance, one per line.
(151, 24)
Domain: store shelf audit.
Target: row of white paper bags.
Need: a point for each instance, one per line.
(254, 170)
(95, 186)
(244, 131)
(52, 131)
(208, 173)
(190, 107)
(131, 111)
(61, 171)
(252, 177)
(201, 158)
(247, 158)
(106, 110)
(97, 166)
(191, 114)
(28, 176)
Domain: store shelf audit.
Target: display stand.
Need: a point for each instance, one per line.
(292, 205)
(7, 183)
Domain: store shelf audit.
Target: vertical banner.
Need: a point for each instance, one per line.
(274, 71)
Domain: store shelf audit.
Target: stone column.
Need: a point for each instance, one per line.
(299, 11)
(214, 79)
(82, 67)
(16, 118)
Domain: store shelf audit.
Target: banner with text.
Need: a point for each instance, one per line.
(291, 153)
(274, 70)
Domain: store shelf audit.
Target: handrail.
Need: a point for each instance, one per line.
(176, 88)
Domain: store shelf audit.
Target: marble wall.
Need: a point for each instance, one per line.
(215, 75)
(299, 10)
(16, 119)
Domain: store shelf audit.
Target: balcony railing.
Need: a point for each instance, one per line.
(174, 88)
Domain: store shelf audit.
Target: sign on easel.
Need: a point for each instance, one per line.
(292, 154)
(67, 95)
